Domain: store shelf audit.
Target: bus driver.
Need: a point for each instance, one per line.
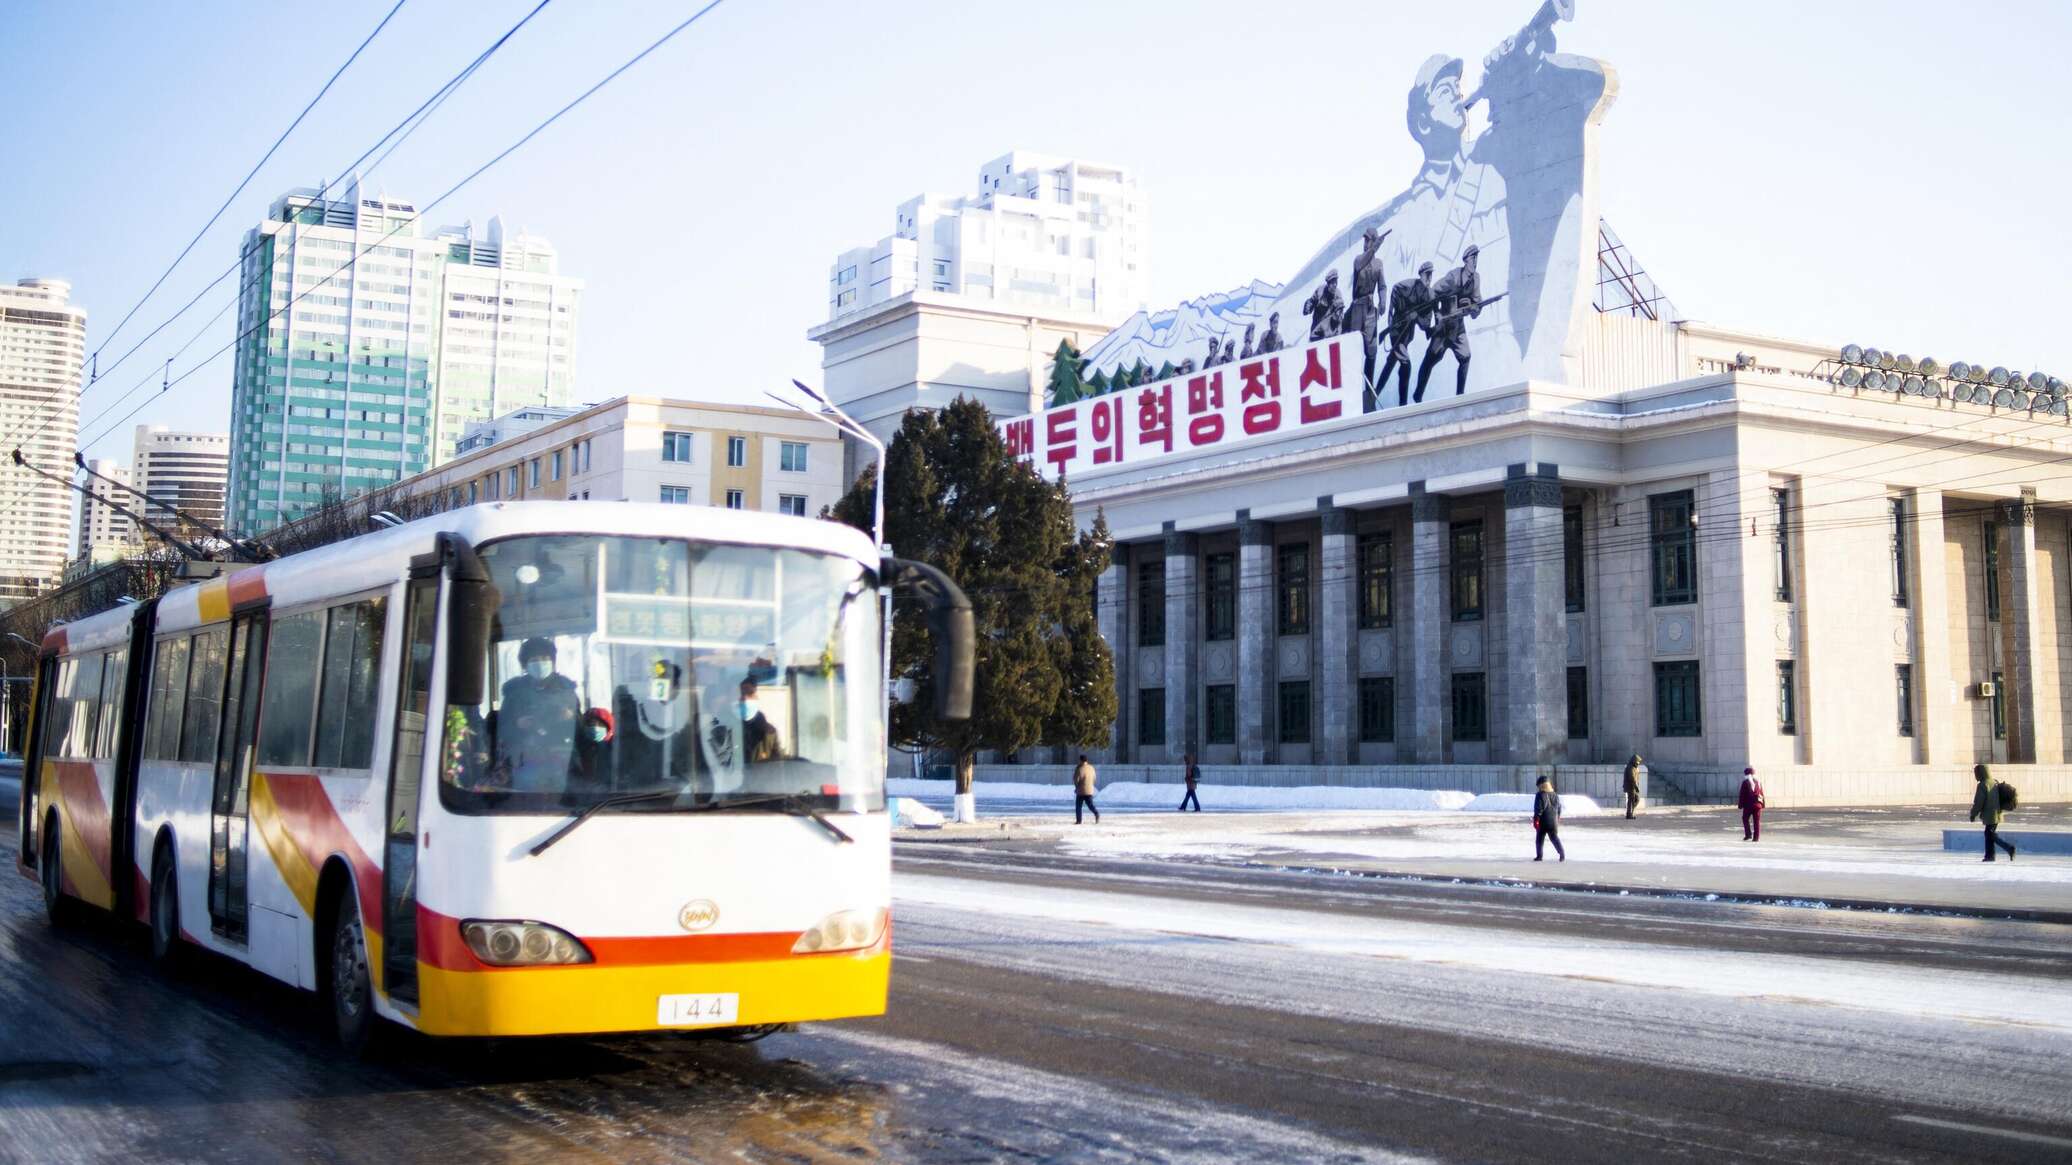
(536, 721)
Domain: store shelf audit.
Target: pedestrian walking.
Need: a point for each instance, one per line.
(1632, 786)
(1193, 778)
(1083, 792)
(1546, 820)
(1752, 804)
(1986, 805)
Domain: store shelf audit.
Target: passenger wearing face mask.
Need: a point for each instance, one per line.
(536, 722)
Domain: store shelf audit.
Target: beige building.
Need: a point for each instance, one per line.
(42, 345)
(650, 449)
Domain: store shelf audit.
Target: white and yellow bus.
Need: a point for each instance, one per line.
(524, 768)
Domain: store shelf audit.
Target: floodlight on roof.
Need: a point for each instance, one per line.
(1960, 371)
(1997, 377)
(1978, 374)
(1851, 377)
(2057, 406)
(2056, 386)
(1928, 366)
(1852, 353)
(1903, 362)
(2039, 382)
(1930, 386)
(1914, 386)
(1874, 380)
(2004, 398)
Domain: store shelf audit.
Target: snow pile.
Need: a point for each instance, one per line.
(1572, 804)
(1165, 796)
(912, 814)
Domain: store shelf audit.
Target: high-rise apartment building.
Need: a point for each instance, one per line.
(184, 470)
(100, 524)
(42, 344)
(344, 391)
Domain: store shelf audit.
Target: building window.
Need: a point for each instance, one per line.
(1787, 698)
(494, 486)
(1219, 582)
(583, 455)
(1151, 716)
(1903, 681)
(1151, 604)
(554, 468)
(1377, 580)
(532, 475)
(737, 451)
(1579, 703)
(1294, 712)
(1291, 570)
(1572, 556)
(511, 481)
(1219, 714)
(1466, 566)
(1999, 706)
(1780, 542)
(735, 500)
(1676, 699)
(676, 447)
(1673, 548)
(1470, 706)
(677, 494)
(1993, 571)
(791, 456)
(1377, 709)
(1899, 552)
(793, 504)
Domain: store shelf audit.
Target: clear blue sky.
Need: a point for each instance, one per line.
(1891, 173)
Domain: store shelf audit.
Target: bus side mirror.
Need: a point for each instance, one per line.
(950, 626)
(471, 605)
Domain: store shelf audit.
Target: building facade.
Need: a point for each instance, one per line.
(42, 346)
(343, 392)
(186, 470)
(99, 523)
(651, 449)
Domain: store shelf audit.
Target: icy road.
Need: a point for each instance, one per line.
(1052, 1008)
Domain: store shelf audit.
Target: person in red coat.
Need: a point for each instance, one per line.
(1751, 806)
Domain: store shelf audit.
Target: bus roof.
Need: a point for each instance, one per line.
(381, 557)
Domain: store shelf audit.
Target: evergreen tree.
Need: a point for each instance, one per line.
(1098, 386)
(1141, 374)
(1120, 380)
(1065, 385)
(1166, 371)
(955, 498)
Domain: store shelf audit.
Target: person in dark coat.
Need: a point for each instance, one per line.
(1083, 791)
(1193, 778)
(1632, 786)
(1752, 804)
(536, 721)
(1985, 805)
(1546, 820)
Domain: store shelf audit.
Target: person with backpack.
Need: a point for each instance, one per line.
(1193, 778)
(1988, 804)
(1752, 806)
(1546, 820)
(1632, 786)
(1083, 791)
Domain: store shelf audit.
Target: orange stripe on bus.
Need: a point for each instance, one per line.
(246, 586)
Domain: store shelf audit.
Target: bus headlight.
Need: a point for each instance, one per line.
(522, 944)
(844, 930)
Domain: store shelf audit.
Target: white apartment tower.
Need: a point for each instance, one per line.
(184, 470)
(42, 345)
(99, 523)
(508, 332)
(1046, 233)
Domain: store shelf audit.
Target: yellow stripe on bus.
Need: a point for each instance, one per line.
(89, 884)
(295, 869)
(213, 600)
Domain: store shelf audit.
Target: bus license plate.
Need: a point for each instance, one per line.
(697, 1010)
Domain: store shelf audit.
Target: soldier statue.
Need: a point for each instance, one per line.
(1271, 341)
(1364, 316)
(1186, 367)
(1229, 352)
(1247, 352)
(1325, 309)
(1459, 297)
(1410, 307)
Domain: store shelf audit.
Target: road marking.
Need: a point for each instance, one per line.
(1958, 1126)
(911, 959)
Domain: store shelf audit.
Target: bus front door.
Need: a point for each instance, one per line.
(230, 809)
(414, 724)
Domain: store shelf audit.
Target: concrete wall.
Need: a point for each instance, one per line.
(1909, 785)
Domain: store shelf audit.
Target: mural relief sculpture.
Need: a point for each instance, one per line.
(1459, 299)
(1271, 341)
(1246, 352)
(1410, 307)
(1364, 316)
(1521, 193)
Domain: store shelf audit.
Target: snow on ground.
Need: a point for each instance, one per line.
(1161, 796)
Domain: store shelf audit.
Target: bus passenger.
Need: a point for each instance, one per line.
(759, 740)
(656, 730)
(536, 722)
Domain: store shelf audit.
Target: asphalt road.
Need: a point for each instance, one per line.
(1053, 1010)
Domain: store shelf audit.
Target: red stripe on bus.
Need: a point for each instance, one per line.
(85, 810)
(439, 944)
(246, 586)
(312, 822)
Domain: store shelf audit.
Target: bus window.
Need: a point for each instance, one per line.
(83, 698)
(204, 711)
(168, 700)
(352, 665)
(286, 709)
(57, 723)
(114, 671)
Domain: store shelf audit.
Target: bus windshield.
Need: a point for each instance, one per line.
(627, 665)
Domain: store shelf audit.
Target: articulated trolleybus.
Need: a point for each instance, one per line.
(518, 769)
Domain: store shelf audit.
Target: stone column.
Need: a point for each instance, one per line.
(1182, 645)
(2023, 623)
(1934, 727)
(1112, 614)
(1535, 715)
(1426, 634)
(1256, 632)
(1337, 637)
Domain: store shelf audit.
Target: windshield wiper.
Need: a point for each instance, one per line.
(792, 803)
(596, 807)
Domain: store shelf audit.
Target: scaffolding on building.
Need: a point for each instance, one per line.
(1623, 285)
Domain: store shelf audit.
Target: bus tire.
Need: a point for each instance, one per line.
(50, 871)
(351, 990)
(166, 944)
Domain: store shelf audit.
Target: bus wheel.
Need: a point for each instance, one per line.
(165, 911)
(352, 995)
(56, 907)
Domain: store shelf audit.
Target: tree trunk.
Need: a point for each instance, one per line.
(966, 804)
